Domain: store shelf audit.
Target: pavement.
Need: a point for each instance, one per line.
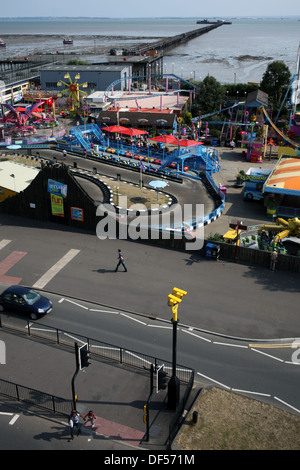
(116, 394)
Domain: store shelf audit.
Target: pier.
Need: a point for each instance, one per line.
(160, 46)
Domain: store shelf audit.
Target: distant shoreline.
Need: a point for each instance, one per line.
(46, 18)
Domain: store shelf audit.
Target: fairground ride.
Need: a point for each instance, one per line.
(72, 91)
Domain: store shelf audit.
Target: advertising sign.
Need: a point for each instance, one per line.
(77, 214)
(57, 205)
(54, 187)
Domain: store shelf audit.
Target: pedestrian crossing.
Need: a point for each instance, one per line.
(14, 257)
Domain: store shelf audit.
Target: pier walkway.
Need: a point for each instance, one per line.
(173, 41)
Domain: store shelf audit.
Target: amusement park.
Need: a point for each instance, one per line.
(151, 126)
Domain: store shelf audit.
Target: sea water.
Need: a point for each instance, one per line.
(235, 53)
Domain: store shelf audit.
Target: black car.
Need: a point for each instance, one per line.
(25, 301)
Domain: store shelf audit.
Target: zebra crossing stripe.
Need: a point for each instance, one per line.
(49, 275)
(3, 243)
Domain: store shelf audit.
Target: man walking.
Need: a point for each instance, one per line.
(121, 261)
(74, 423)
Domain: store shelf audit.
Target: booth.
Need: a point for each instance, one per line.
(232, 236)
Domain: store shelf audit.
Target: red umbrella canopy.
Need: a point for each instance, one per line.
(134, 132)
(167, 139)
(119, 129)
(189, 143)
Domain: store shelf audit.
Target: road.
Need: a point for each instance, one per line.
(76, 270)
(265, 370)
(228, 298)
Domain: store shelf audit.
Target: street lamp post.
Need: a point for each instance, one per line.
(174, 384)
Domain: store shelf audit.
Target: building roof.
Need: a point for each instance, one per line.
(137, 119)
(15, 176)
(285, 178)
(257, 98)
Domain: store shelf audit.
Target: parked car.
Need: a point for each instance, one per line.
(25, 301)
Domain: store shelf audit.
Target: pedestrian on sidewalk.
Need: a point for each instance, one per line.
(121, 261)
(274, 257)
(90, 416)
(64, 153)
(74, 423)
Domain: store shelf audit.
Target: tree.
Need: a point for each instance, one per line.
(275, 82)
(210, 95)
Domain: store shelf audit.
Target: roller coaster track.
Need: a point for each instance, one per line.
(278, 132)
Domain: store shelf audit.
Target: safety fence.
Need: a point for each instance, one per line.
(98, 350)
(35, 397)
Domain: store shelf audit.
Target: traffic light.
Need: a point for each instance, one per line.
(161, 379)
(84, 356)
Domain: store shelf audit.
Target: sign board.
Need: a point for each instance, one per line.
(59, 189)
(238, 225)
(77, 214)
(57, 205)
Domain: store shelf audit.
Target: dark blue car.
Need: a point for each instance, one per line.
(25, 301)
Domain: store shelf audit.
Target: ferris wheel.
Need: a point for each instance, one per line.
(72, 90)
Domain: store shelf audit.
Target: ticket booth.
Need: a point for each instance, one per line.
(232, 236)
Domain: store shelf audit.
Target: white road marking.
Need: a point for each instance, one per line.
(197, 336)
(268, 355)
(134, 319)
(76, 303)
(215, 381)
(3, 243)
(40, 284)
(12, 421)
(290, 406)
(159, 326)
(103, 311)
(228, 344)
(251, 393)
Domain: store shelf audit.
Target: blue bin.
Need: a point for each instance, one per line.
(212, 251)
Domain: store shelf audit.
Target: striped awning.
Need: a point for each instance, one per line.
(285, 178)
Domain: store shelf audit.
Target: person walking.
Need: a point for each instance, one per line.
(74, 423)
(90, 416)
(274, 257)
(121, 261)
(64, 153)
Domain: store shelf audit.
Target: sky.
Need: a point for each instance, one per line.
(152, 8)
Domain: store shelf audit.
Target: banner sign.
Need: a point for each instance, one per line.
(54, 187)
(77, 214)
(57, 205)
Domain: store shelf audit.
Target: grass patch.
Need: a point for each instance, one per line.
(228, 421)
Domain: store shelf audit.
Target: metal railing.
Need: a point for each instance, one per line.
(97, 349)
(35, 397)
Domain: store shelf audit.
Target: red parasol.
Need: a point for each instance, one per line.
(166, 139)
(134, 132)
(119, 129)
(189, 143)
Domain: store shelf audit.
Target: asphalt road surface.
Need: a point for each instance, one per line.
(222, 297)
